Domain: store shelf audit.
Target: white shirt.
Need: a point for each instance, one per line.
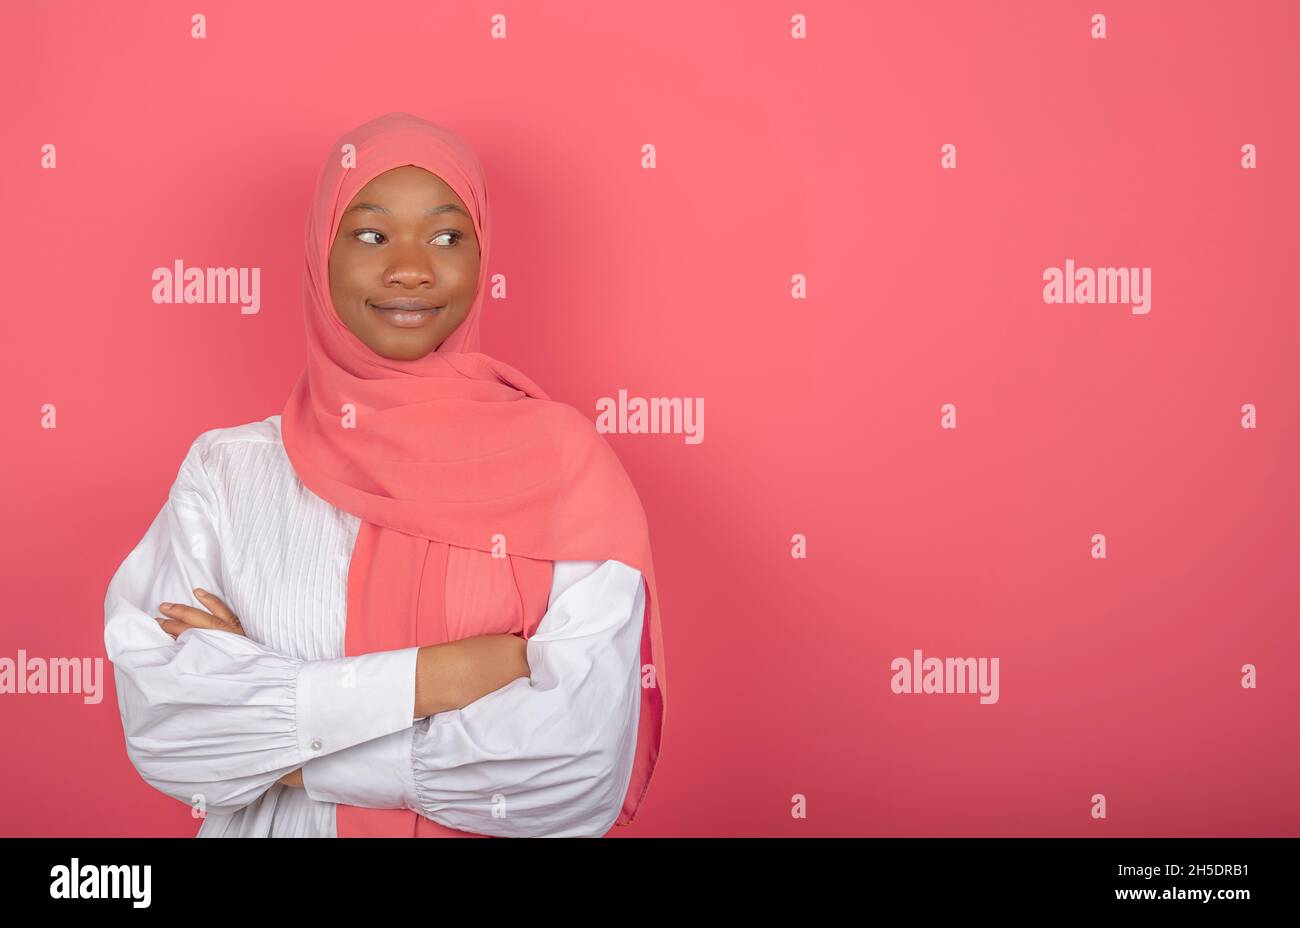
(214, 719)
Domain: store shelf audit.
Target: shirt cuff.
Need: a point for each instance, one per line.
(375, 774)
(347, 700)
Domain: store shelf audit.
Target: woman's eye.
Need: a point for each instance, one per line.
(362, 233)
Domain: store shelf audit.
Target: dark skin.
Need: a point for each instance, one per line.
(388, 247)
(406, 235)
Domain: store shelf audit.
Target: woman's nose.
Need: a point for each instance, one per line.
(410, 267)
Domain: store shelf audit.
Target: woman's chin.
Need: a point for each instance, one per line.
(408, 348)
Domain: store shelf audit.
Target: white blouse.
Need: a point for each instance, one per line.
(214, 719)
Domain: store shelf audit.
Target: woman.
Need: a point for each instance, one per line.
(420, 601)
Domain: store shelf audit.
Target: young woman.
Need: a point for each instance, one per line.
(420, 601)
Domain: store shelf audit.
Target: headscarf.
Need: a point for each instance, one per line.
(446, 456)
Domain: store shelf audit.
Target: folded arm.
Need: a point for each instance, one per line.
(546, 755)
(214, 719)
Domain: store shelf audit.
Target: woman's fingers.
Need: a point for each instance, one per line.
(188, 615)
(172, 627)
(180, 617)
(219, 609)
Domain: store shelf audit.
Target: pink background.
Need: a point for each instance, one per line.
(1118, 676)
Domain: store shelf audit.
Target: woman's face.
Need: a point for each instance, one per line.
(404, 264)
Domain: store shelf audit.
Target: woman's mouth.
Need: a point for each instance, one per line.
(406, 313)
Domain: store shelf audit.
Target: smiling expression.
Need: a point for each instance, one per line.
(404, 264)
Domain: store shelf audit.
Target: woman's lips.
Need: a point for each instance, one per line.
(406, 314)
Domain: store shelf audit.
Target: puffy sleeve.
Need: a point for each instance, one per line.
(549, 755)
(212, 718)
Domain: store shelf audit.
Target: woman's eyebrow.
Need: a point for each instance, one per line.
(431, 211)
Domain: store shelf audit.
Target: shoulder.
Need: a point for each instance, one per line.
(586, 457)
(582, 448)
(217, 458)
(234, 440)
(562, 418)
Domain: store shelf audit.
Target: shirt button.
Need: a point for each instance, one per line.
(315, 744)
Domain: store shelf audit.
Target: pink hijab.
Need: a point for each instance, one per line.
(445, 458)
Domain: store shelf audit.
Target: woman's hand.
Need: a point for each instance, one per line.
(181, 617)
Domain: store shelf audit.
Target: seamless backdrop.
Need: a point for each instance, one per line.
(803, 259)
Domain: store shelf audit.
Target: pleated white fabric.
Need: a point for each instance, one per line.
(214, 719)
